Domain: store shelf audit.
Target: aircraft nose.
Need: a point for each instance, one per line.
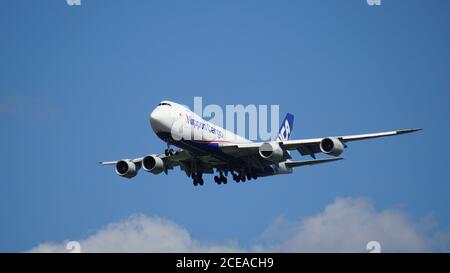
(156, 120)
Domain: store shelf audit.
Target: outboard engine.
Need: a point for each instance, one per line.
(126, 168)
(331, 146)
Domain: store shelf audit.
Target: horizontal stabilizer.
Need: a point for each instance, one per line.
(292, 164)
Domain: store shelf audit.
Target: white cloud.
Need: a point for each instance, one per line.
(140, 233)
(346, 225)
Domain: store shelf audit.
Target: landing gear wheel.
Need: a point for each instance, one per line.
(236, 178)
(168, 152)
(223, 179)
(198, 182)
(197, 179)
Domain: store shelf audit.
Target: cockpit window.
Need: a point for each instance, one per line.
(164, 103)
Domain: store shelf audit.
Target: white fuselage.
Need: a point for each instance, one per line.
(172, 121)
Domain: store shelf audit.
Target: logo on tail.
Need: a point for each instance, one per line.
(286, 128)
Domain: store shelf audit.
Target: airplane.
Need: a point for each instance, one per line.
(205, 147)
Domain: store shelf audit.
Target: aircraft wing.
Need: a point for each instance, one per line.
(183, 159)
(306, 146)
(248, 154)
(171, 161)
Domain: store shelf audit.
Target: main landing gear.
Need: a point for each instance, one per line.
(197, 179)
(240, 177)
(220, 179)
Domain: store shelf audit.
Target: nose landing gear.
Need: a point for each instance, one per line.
(168, 152)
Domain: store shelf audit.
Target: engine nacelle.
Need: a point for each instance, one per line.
(126, 168)
(271, 151)
(331, 146)
(152, 164)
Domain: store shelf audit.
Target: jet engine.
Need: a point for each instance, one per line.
(331, 146)
(271, 151)
(153, 164)
(126, 168)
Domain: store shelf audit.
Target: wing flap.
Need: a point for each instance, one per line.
(240, 150)
(292, 164)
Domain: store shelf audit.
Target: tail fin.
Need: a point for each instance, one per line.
(286, 128)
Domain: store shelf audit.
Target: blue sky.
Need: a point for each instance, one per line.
(78, 83)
